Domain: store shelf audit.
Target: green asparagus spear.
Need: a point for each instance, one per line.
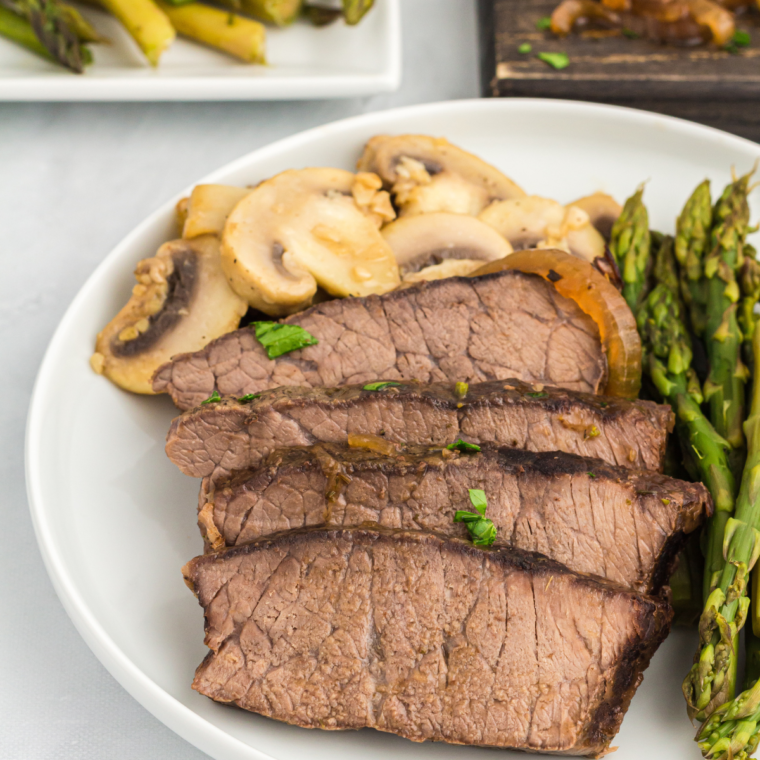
(630, 245)
(749, 282)
(51, 25)
(667, 349)
(732, 731)
(691, 245)
(18, 29)
(665, 266)
(725, 385)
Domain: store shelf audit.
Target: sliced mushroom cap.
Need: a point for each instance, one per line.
(448, 268)
(535, 222)
(304, 228)
(430, 239)
(428, 174)
(181, 302)
(208, 208)
(602, 209)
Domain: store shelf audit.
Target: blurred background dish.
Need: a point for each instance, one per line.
(302, 62)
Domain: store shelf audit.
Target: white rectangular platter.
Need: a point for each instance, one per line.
(303, 63)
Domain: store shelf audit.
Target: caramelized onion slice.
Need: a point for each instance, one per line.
(373, 443)
(578, 280)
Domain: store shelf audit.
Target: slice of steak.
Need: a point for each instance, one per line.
(621, 524)
(427, 638)
(216, 438)
(492, 327)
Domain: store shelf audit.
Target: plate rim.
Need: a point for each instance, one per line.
(191, 726)
(56, 88)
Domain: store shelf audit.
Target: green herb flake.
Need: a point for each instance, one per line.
(741, 38)
(665, 501)
(248, 397)
(461, 389)
(592, 432)
(280, 339)
(537, 394)
(379, 386)
(591, 474)
(525, 48)
(555, 60)
(464, 446)
(604, 404)
(213, 398)
(630, 34)
(482, 530)
(544, 23)
(478, 500)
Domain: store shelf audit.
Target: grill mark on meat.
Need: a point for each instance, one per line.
(458, 329)
(405, 682)
(545, 502)
(216, 438)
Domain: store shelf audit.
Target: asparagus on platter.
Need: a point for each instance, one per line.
(58, 28)
(732, 731)
(725, 386)
(630, 245)
(691, 244)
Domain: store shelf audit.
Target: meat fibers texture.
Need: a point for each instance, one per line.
(492, 327)
(427, 638)
(214, 439)
(621, 524)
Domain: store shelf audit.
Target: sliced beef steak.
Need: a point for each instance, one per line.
(214, 439)
(621, 524)
(496, 326)
(427, 638)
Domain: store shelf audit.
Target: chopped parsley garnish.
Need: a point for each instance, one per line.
(482, 530)
(280, 339)
(461, 389)
(212, 398)
(591, 474)
(739, 40)
(460, 445)
(537, 394)
(525, 48)
(248, 397)
(379, 386)
(555, 60)
(630, 34)
(544, 23)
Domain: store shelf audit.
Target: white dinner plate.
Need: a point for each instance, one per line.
(303, 62)
(115, 520)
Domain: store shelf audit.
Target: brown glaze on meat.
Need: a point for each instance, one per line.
(497, 326)
(426, 638)
(621, 524)
(214, 439)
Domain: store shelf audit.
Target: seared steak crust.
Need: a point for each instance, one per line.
(427, 638)
(621, 524)
(214, 439)
(497, 326)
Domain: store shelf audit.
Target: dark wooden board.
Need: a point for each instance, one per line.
(700, 83)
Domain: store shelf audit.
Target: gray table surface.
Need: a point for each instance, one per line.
(74, 179)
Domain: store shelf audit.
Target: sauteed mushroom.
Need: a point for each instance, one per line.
(535, 222)
(208, 208)
(602, 210)
(180, 303)
(427, 174)
(442, 245)
(304, 228)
